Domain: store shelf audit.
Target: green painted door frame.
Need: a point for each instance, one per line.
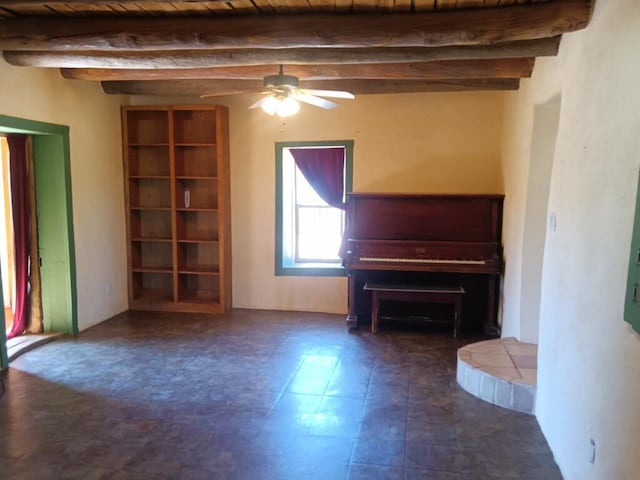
(55, 224)
(632, 300)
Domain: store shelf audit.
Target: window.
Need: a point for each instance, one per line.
(308, 229)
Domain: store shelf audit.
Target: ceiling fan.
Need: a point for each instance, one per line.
(283, 95)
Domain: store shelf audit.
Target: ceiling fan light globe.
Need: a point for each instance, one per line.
(271, 105)
(288, 107)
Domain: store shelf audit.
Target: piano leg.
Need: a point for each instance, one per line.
(491, 327)
(352, 316)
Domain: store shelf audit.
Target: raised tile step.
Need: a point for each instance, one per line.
(24, 343)
(502, 371)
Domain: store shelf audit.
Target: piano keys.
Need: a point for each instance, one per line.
(419, 255)
(437, 239)
(425, 261)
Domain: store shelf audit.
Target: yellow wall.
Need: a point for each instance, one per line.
(96, 177)
(403, 143)
(431, 143)
(589, 358)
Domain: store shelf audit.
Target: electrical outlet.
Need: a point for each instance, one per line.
(107, 288)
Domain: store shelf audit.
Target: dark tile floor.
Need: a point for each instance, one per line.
(255, 395)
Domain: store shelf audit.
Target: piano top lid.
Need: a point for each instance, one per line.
(424, 195)
(440, 217)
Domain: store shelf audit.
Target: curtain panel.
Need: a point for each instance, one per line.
(21, 214)
(324, 170)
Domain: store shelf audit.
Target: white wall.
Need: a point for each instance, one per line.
(589, 358)
(519, 148)
(96, 177)
(529, 149)
(433, 143)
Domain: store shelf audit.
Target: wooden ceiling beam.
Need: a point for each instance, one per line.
(503, 68)
(35, 3)
(357, 87)
(298, 56)
(429, 29)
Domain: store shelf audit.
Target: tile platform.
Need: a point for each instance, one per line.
(18, 345)
(502, 371)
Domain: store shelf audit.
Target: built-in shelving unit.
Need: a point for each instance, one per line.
(176, 161)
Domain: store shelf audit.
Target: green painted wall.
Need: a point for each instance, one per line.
(55, 234)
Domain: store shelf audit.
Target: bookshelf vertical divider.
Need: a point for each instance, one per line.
(176, 170)
(174, 242)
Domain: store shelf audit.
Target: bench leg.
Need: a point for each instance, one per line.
(375, 303)
(457, 307)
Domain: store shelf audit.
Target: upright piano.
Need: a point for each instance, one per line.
(426, 239)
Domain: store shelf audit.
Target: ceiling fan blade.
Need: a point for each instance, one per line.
(259, 103)
(233, 91)
(313, 100)
(328, 93)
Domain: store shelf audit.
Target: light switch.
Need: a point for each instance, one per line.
(552, 221)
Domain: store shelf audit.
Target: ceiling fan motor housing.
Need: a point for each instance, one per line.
(281, 80)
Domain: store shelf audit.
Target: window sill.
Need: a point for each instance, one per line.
(310, 270)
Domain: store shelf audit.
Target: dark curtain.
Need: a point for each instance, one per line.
(324, 170)
(20, 210)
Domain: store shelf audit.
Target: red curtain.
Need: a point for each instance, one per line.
(20, 209)
(324, 170)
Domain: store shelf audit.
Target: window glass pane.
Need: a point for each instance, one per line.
(305, 194)
(319, 233)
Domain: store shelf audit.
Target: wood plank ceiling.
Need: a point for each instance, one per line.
(225, 47)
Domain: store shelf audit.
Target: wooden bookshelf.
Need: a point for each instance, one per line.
(176, 163)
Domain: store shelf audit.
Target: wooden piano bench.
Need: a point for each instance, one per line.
(415, 293)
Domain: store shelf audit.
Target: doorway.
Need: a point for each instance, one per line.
(545, 131)
(55, 226)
